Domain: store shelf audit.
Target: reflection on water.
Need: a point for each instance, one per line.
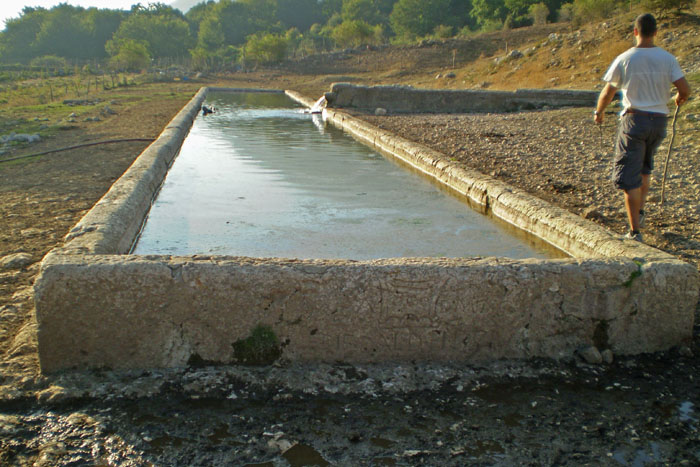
(261, 178)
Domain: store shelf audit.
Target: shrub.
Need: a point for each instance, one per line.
(265, 48)
(588, 10)
(538, 13)
(665, 6)
(566, 13)
(50, 61)
(129, 54)
(355, 33)
(443, 31)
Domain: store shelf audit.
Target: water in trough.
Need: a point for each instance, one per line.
(261, 178)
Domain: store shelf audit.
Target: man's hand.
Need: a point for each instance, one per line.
(605, 98)
(683, 91)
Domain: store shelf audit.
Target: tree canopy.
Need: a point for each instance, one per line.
(223, 31)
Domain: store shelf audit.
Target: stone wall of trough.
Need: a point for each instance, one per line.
(99, 307)
(407, 99)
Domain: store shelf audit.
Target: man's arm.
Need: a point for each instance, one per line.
(605, 98)
(683, 91)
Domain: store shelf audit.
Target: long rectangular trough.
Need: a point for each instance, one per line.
(99, 306)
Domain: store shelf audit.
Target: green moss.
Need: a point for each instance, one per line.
(260, 348)
(634, 275)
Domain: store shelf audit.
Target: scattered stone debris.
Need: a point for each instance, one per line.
(592, 213)
(515, 54)
(16, 261)
(379, 111)
(591, 355)
(74, 102)
(607, 356)
(20, 138)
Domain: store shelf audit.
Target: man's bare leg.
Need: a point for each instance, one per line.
(646, 183)
(633, 203)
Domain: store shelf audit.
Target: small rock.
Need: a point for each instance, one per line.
(379, 111)
(73, 115)
(592, 213)
(591, 355)
(108, 110)
(607, 356)
(685, 351)
(16, 261)
(30, 232)
(515, 54)
(450, 75)
(438, 76)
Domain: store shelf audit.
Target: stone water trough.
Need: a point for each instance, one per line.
(99, 306)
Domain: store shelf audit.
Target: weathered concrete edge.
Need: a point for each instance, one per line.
(559, 227)
(401, 99)
(56, 301)
(113, 223)
(163, 311)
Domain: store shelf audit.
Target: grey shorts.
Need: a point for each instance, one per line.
(637, 141)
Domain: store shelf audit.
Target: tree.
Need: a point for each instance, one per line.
(587, 10)
(360, 10)
(65, 33)
(265, 48)
(129, 54)
(356, 33)
(539, 13)
(161, 28)
(17, 42)
(102, 24)
(488, 11)
(415, 18)
(300, 14)
(666, 6)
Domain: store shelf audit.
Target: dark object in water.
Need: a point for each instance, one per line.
(207, 110)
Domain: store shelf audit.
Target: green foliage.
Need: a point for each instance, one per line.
(264, 48)
(260, 348)
(538, 13)
(487, 13)
(443, 31)
(355, 33)
(566, 13)
(161, 28)
(299, 14)
(129, 54)
(50, 62)
(16, 42)
(360, 10)
(593, 10)
(666, 6)
(417, 18)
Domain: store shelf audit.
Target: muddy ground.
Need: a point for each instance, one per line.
(636, 411)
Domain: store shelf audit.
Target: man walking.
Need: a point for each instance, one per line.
(644, 74)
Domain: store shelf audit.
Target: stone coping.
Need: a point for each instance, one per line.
(97, 306)
(400, 99)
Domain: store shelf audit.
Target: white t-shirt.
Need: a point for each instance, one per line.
(645, 75)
